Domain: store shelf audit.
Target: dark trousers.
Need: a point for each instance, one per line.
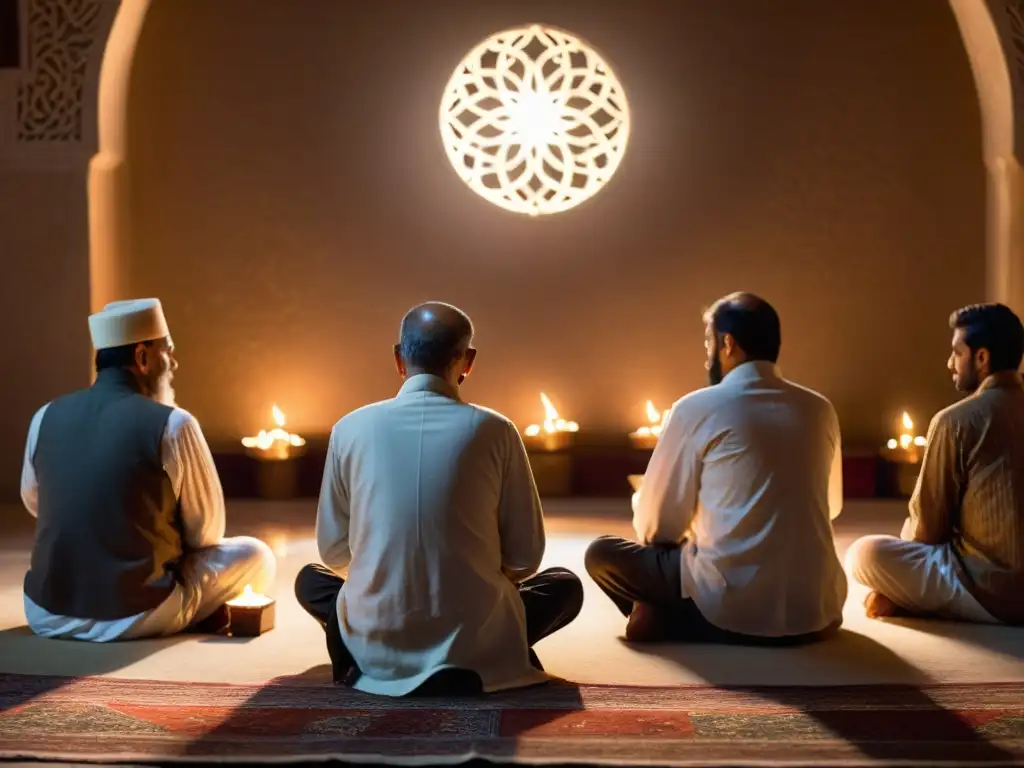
(552, 599)
(648, 579)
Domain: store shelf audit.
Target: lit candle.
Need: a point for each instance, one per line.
(250, 599)
(905, 449)
(250, 614)
(275, 444)
(646, 437)
(554, 434)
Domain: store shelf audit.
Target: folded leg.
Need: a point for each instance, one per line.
(631, 573)
(922, 579)
(317, 588)
(209, 578)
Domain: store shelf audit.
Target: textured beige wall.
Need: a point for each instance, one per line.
(45, 298)
(292, 198)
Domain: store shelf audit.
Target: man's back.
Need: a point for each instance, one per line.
(986, 433)
(437, 498)
(108, 532)
(761, 559)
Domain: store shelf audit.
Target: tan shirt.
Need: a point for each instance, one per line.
(424, 500)
(750, 472)
(970, 493)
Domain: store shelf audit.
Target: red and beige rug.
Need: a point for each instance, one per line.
(104, 719)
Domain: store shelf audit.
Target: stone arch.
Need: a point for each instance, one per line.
(993, 35)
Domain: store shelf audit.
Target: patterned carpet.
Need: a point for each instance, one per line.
(103, 719)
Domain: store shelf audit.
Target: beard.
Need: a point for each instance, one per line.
(160, 389)
(967, 382)
(715, 369)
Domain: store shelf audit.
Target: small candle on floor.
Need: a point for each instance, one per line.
(250, 614)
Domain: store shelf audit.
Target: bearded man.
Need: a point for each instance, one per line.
(734, 517)
(129, 536)
(961, 552)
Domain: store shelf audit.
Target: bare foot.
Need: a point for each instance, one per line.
(878, 606)
(646, 625)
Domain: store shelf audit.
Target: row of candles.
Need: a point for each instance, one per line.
(556, 433)
(252, 613)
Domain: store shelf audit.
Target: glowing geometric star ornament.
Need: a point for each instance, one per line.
(534, 120)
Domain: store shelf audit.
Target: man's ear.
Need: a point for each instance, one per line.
(470, 360)
(399, 363)
(141, 358)
(982, 358)
(727, 344)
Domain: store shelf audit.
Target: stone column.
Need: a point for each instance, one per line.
(1004, 275)
(993, 35)
(109, 200)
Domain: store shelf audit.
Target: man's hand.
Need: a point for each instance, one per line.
(515, 577)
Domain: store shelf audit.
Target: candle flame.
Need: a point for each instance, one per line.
(552, 421)
(248, 598)
(657, 421)
(907, 440)
(277, 436)
(550, 414)
(652, 413)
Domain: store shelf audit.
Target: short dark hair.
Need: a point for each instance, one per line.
(434, 346)
(117, 357)
(751, 320)
(994, 327)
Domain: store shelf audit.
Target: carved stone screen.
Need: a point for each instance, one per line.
(534, 120)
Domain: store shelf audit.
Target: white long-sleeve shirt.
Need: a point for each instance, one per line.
(189, 466)
(750, 473)
(425, 500)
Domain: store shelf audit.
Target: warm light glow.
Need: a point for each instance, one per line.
(250, 599)
(905, 445)
(277, 440)
(279, 544)
(552, 421)
(652, 413)
(534, 120)
(647, 435)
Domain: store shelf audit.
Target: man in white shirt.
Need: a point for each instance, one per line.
(734, 515)
(429, 509)
(130, 513)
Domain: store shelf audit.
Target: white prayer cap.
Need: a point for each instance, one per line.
(127, 322)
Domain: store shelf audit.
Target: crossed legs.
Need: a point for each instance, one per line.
(552, 599)
(912, 578)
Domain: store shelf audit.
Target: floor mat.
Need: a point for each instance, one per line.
(104, 719)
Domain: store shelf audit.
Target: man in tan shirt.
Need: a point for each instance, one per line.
(961, 553)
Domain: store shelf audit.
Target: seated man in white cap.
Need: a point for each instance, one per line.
(130, 534)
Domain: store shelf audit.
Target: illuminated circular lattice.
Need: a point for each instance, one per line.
(534, 120)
